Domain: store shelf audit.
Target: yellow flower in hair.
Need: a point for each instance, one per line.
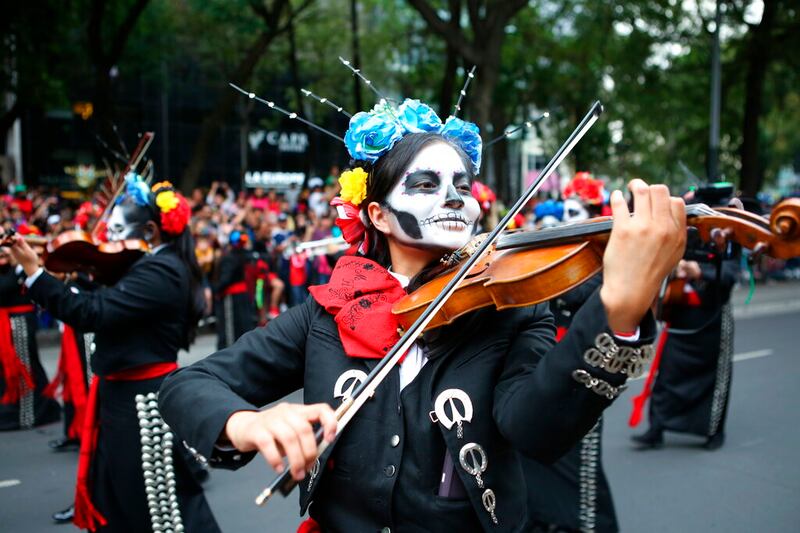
(167, 201)
(161, 185)
(354, 185)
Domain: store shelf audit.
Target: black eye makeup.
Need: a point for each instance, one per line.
(422, 182)
(462, 183)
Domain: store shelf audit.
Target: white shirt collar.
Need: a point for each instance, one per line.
(404, 280)
(158, 248)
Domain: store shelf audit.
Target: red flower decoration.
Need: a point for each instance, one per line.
(349, 221)
(586, 188)
(175, 220)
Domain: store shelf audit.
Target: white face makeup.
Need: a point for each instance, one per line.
(574, 211)
(432, 205)
(119, 228)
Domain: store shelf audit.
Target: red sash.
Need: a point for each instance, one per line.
(86, 515)
(641, 400)
(70, 377)
(17, 378)
(309, 525)
(236, 288)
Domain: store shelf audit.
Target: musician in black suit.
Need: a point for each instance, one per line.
(22, 377)
(132, 475)
(436, 448)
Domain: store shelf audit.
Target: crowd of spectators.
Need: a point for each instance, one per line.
(273, 223)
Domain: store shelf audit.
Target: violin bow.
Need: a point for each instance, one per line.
(284, 483)
(144, 143)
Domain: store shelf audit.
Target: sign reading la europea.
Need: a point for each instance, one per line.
(273, 180)
(285, 141)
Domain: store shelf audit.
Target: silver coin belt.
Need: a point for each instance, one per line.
(605, 354)
(597, 385)
(159, 475)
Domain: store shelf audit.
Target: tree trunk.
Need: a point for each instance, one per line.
(222, 110)
(6, 121)
(447, 90)
(759, 56)
(357, 100)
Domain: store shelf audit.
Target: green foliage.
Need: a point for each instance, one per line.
(647, 61)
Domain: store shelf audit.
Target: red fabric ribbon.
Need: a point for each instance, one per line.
(70, 377)
(641, 400)
(360, 295)
(86, 514)
(349, 221)
(16, 376)
(236, 288)
(309, 525)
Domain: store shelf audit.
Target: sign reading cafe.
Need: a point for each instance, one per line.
(285, 141)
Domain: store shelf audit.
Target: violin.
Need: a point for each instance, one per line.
(528, 267)
(77, 251)
(82, 251)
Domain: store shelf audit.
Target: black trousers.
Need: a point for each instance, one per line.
(118, 489)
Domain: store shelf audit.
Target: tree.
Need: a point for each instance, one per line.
(276, 17)
(36, 58)
(481, 47)
(763, 47)
(107, 32)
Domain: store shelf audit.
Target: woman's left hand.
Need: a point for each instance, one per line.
(643, 248)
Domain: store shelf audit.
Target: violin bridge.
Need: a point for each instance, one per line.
(454, 258)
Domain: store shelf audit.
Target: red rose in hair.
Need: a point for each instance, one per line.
(175, 220)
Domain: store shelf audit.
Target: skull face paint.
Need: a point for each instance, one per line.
(432, 204)
(121, 226)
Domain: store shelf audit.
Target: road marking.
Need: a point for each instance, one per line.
(9, 483)
(760, 309)
(752, 355)
(744, 356)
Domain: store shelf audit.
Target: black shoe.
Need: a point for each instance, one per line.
(649, 440)
(64, 444)
(65, 516)
(715, 442)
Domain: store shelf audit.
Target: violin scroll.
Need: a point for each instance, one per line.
(785, 219)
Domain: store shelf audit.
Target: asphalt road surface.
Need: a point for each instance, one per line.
(752, 484)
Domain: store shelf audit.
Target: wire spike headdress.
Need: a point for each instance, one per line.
(463, 92)
(525, 125)
(292, 115)
(326, 101)
(357, 72)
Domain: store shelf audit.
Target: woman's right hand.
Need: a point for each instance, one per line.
(283, 430)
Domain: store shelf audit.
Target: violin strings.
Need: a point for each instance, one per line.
(526, 124)
(463, 93)
(292, 115)
(326, 101)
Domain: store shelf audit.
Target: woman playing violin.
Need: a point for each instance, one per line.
(127, 474)
(436, 448)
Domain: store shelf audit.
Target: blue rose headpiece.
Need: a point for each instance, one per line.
(372, 134)
(135, 188)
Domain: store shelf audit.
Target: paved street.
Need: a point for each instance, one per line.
(751, 484)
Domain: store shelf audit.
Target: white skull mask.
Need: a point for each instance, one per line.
(432, 205)
(120, 227)
(574, 211)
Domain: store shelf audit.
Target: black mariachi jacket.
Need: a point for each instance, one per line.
(385, 468)
(142, 319)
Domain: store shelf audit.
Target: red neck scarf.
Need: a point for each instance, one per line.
(360, 295)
